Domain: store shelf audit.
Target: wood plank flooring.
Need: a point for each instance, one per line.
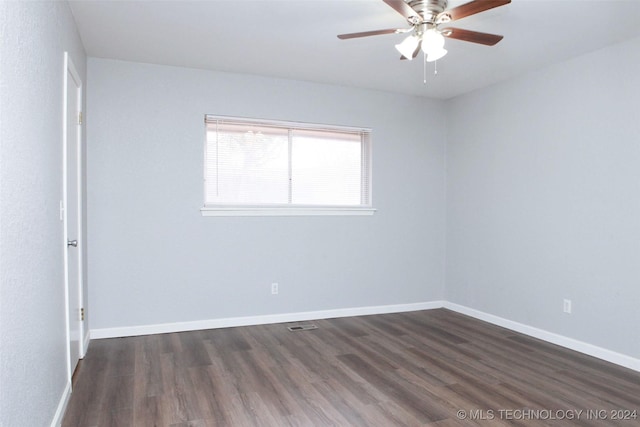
(425, 368)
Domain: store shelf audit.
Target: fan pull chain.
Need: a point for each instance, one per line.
(424, 68)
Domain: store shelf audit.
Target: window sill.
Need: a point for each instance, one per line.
(285, 211)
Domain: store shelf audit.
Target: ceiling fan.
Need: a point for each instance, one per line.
(425, 17)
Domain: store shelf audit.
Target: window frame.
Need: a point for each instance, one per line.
(289, 209)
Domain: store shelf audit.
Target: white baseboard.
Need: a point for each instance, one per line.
(582, 347)
(130, 331)
(570, 343)
(62, 406)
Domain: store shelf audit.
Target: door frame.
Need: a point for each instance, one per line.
(70, 70)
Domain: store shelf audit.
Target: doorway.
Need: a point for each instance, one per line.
(73, 218)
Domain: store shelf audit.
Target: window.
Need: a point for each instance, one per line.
(257, 167)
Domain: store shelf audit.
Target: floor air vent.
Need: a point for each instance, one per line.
(305, 327)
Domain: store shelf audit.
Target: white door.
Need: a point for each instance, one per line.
(73, 213)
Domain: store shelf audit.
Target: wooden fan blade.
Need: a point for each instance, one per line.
(367, 34)
(472, 8)
(471, 36)
(402, 8)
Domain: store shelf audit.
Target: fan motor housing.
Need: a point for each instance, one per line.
(428, 9)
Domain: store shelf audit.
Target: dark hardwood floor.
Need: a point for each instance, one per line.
(426, 368)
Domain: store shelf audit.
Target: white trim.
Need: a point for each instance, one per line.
(128, 331)
(283, 211)
(62, 406)
(65, 233)
(570, 343)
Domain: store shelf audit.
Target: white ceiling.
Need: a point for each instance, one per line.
(296, 39)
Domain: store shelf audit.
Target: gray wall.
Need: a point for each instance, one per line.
(33, 367)
(154, 259)
(543, 198)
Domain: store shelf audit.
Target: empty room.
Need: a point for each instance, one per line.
(320, 213)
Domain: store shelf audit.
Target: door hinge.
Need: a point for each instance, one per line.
(80, 118)
(82, 314)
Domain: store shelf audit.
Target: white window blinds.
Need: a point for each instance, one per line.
(260, 163)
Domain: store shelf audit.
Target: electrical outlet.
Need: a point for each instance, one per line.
(274, 289)
(567, 306)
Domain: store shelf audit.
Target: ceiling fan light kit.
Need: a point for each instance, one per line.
(424, 18)
(433, 45)
(408, 46)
